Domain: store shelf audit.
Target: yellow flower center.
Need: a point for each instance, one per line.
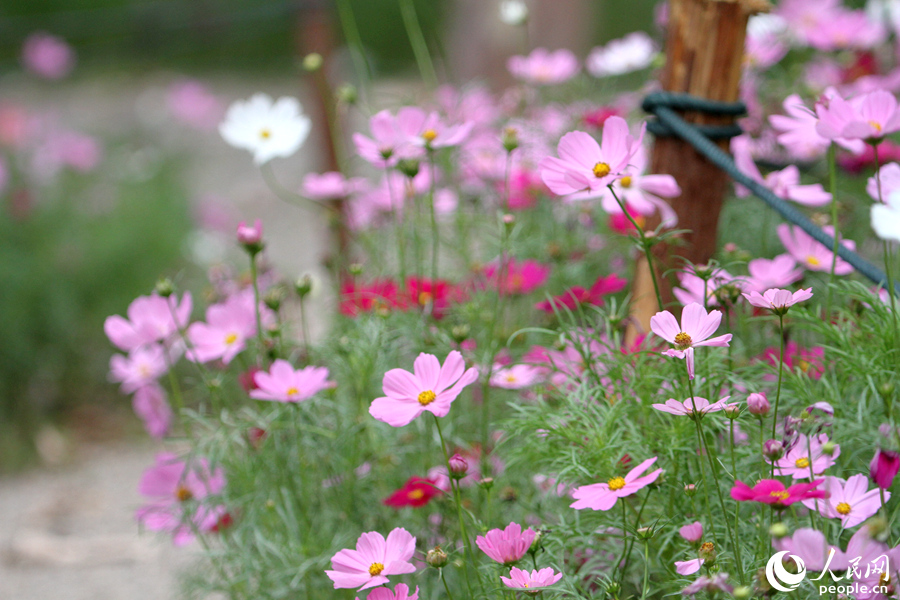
(183, 494)
(376, 569)
(426, 397)
(802, 463)
(616, 483)
(429, 135)
(292, 391)
(707, 547)
(510, 378)
(625, 182)
(683, 341)
(875, 126)
(781, 495)
(230, 339)
(843, 508)
(425, 298)
(416, 495)
(601, 169)
(812, 260)
(804, 366)
(265, 134)
(884, 579)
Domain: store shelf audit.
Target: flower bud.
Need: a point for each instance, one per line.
(742, 593)
(347, 94)
(828, 448)
(690, 489)
(274, 297)
(538, 541)
(250, 236)
(886, 390)
(436, 557)
(487, 483)
(409, 167)
(460, 333)
(732, 411)
(758, 404)
(613, 589)
(645, 533)
(458, 466)
(884, 467)
(355, 268)
(778, 530)
(510, 139)
(303, 286)
(312, 62)
(773, 449)
(707, 553)
(879, 528)
(165, 287)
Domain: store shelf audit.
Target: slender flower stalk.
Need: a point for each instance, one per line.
(644, 244)
(254, 276)
(435, 237)
(832, 189)
(354, 41)
(398, 225)
(780, 372)
(892, 293)
(417, 40)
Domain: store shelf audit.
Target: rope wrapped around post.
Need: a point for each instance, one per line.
(668, 123)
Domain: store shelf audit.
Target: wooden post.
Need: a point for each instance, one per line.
(704, 58)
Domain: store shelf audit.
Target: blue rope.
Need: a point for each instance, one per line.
(661, 104)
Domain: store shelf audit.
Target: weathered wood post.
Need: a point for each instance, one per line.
(704, 58)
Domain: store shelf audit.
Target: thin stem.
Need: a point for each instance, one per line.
(354, 41)
(646, 570)
(884, 245)
(435, 238)
(259, 330)
(304, 327)
(444, 581)
(417, 40)
(780, 371)
(644, 245)
(832, 186)
(398, 227)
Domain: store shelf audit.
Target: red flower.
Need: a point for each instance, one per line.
(809, 360)
(773, 492)
(517, 277)
(884, 468)
(578, 295)
(434, 296)
(416, 492)
(380, 294)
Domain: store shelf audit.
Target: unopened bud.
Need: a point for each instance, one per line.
(510, 139)
(707, 553)
(487, 483)
(460, 333)
(613, 589)
(829, 448)
(409, 167)
(690, 489)
(537, 542)
(758, 405)
(773, 449)
(355, 268)
(347, 94)
(778, 530)
(274, 297)
(886, 390)
(436, 557)
(732, 411)
(303, 285)
(645, 533)
(312, 62)
(250, 237)
(742, 592)
(165, 287)
(458, 466)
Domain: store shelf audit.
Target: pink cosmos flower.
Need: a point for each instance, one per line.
(884, 467)
(176, 490)
(709, 584)
(778, 301)
(810, 253)
(694, 289)
(633, 52)
(283, 384)
(778, 272)
(331, 186)
(702, 406)
(695, 329)
(192, 104)
(516, 377)
(373, 560)
(47, 56)
(576, 295)
(643, 194)
(523, 580)
(812, 547)
(868, 117)
(807, 360)
(401, 592)
(249, 235)
(844, 30)
(150, 319)
(688, 567)
(431, 387)
(517, 277)
(506, 546)
(693, 532)
(850, 501)
(225, 333)
(784, 184)
(584, 167)
(152, 407)
(798, 132)
(773, 492)
(143, 366)
(881, 565)
(603, 496)
(390, 140)
(543, 67)
(796, 462)
(890, 181)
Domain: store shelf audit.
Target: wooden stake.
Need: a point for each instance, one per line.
(704, 58)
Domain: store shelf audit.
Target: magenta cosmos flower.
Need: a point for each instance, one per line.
(772, 273)
(225, 333)
(506, 546)
(702, 406)
(584, 167)
(523, 580)
(884, 467)
(695, 329)
(373, 560)
(693, 532)
(603, 496)
(143, 366)
(810, 253)
(331, 186)
(430, 387)
(283, 384)
(868, 117)
(47, 56)
(401, 592)
(517, 277)
(778, 301)
(543, 67)
(804, 453)
(150, 319)
(851, 501)
(773, 492)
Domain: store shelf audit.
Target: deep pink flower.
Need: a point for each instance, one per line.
(47, 56)
(884, 468)
(810, 253)
(516, 377)
(574, 296)
(796, 463)
(249, 235)
(523, 580)
(373, 560)
(152, 407)
(517, 277)
(850, 501)
(379, 295)
(868, 117)
(693, 532)
(773, 492)
(175, 487)
(506, 546)
(778, 301)
(603, 496)
(584, 167)
(416, 492)
(283, 384)
(225, 333)
(758, 404)
(543, 67)
(688, 407)
(778, 272)
(143, 366)
(431, 387)
(150, 319)
(331, 185)
(434, 297)
(401, 592)
(808, 360)
(695, 330)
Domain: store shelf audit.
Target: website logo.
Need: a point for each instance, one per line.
(778, 575)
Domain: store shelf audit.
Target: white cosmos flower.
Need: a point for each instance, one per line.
(267, 130)
(886, 218)
(633, 52)
(513, 12)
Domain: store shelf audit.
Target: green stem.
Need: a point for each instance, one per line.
(887, 254)
(259, 330)
(417, 40)
(354, 41)
(444, 581)
(304, 326)
(644, 245)
(398, 227)
(435, 238)
(646, 570)
(780, 371)
(832, 186)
